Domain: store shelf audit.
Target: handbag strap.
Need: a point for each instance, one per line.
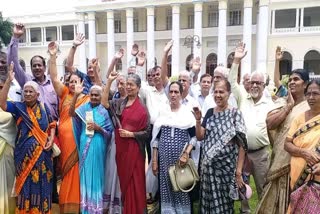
(194, 178)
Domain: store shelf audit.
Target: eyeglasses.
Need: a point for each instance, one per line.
(156, 75)
(313, 94)
(257, 83)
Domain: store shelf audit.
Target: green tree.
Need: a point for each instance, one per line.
(5, 31)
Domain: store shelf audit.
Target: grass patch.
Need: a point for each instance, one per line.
(237, 205)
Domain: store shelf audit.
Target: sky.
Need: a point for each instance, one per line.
(26, 7)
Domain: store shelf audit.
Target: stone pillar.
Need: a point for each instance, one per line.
(130, 41)
(197, 50)
(82, 48)
(175, 59)
(92, 35)
(150, 37)
(262, 36)
(222, 32)
(110, 33)
(246, 64)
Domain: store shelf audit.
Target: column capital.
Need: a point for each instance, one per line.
(110, 14)
(80, 16)
(175, 8)
(150, 10)
(247, 3)
(91, 16)
(129, 12)
(264, 3)
(198, 6)
(223, 4)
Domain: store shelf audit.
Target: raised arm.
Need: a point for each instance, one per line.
(278, 58)
(195, 68)
(76, 42)
(239, 54)
(164, 69)
(12, 50)
(96, 72)
(105, 94)
(277, 116)
(200, 131)
(57, 85)
(77, 91)
(114, 61)
(6, 87)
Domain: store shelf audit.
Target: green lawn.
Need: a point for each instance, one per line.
(252, 202)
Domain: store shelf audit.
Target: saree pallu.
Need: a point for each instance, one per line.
(69, 195)
(276, 193)
(92, 157)
(8, 132)
(34, 166)
(305, 135)
(130, 159)
(225, 132)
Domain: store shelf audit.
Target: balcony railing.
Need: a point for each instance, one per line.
(294, 30)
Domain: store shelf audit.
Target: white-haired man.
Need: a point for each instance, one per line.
(255, 108)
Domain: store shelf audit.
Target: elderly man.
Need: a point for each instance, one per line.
(219, 74)
(255, 108)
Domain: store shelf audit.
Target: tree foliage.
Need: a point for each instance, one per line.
(5, 31)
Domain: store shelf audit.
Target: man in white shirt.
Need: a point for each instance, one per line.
(254, 107)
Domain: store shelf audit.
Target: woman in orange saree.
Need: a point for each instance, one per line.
(32, 154)
(303, 141)
(69, 195)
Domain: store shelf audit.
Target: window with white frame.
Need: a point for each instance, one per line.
(235, 17)
(311, 17)
(213, 19)
(135, 22)
(285, 18)
(169, 19)
(190, 18)
(67, 32)
(35, 34)
(51, 34)
(117, 26)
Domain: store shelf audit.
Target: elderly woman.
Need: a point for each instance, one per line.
(303, 144)
(131, 134)
(224, 143)
(69, 195)
(92, 148)
(275, 198)
(32, 154)
(172, 131)
(8, 132)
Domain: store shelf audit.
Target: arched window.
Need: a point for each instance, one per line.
(286, 64)
(169, 65)
(189, 58)
(312, 62)
(211, 63)
(230, 60)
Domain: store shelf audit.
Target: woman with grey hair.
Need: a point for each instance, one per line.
(32, 153)
(131, 133)
(92, 136)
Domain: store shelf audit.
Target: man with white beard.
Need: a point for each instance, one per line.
(254, 107)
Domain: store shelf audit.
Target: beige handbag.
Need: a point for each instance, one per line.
(184, 178)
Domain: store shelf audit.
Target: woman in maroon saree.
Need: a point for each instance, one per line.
(132, 132)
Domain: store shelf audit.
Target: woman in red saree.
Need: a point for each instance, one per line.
(131, 134)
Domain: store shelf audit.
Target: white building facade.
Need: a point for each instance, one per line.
(209, 29)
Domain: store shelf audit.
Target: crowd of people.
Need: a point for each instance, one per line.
(111, 143)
